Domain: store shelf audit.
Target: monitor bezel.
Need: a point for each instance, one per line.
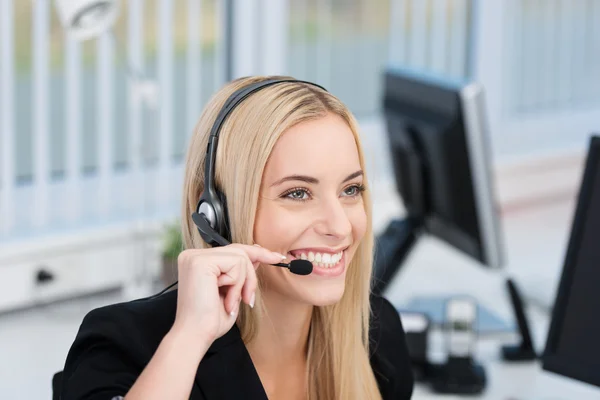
(479, 151)
(471, 106)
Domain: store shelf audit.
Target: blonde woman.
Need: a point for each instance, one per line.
(291, 170)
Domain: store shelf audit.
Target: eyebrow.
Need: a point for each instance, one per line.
(310, 179)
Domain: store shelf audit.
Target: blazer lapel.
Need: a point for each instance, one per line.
(383, 371)
(227, 371)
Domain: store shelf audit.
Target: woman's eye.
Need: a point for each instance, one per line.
(300, 194)
(354, 190)
(351, 191)
(297, 194)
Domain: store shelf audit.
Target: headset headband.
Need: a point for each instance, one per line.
(212, 204)
(232, 102)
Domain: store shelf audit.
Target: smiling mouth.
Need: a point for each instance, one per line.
(319, 259)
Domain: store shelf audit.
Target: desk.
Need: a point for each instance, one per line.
(535, 242)
(516, 381)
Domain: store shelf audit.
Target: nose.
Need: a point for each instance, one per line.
(333, 220)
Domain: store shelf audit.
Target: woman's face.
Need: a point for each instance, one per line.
(311, 206)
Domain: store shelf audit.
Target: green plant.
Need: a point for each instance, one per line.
(172, 242)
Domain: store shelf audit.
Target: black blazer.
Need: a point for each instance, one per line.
(115, 343)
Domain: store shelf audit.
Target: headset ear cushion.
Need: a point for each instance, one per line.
(224, 231)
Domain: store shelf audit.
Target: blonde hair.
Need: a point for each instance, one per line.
(338, 344)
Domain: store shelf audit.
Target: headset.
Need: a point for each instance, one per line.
(211, 217)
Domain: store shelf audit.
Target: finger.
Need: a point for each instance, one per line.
(234, 294)
(250, 285)
(259, 254)
(256, 264)
(220, 262)
(225, 280)
(224, 257)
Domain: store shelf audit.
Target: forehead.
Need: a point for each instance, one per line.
(320, 148)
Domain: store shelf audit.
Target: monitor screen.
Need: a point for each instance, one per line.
(573, 346)
(439, 143)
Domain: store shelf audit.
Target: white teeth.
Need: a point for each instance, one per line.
(323, 260)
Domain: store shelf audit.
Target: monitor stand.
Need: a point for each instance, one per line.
(391, 248)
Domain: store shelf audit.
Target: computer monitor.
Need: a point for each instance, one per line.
(439, 142)
(573, 343)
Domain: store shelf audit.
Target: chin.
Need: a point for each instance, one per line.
(325, 296)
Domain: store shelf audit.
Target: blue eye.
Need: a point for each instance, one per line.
(302, 194)
(354, 190)
(297, 194)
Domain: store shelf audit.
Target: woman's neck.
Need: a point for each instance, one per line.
(282, 337)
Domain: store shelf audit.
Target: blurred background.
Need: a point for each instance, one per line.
(93, 135)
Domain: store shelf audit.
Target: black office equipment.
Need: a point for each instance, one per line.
(417, 328)
(525, 350)
(458, 376)
(460, 373)
(438, 138)
(573, 343)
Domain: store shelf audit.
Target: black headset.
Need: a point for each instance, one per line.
(211, 217)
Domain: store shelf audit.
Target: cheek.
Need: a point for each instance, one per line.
(358, 219)
(275, 228)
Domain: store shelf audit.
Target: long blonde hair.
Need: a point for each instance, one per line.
(338, 345)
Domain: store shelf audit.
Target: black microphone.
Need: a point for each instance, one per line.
(298, 267)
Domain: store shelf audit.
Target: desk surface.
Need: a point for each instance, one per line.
(535, 245)
(517, 381)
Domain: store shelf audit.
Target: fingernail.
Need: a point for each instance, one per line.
(234, 311)
(257, 245)
(280, 255)
(252, 300)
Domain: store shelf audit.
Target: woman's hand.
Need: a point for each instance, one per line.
(212, 283)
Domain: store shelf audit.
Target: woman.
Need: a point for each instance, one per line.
(291, 168)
